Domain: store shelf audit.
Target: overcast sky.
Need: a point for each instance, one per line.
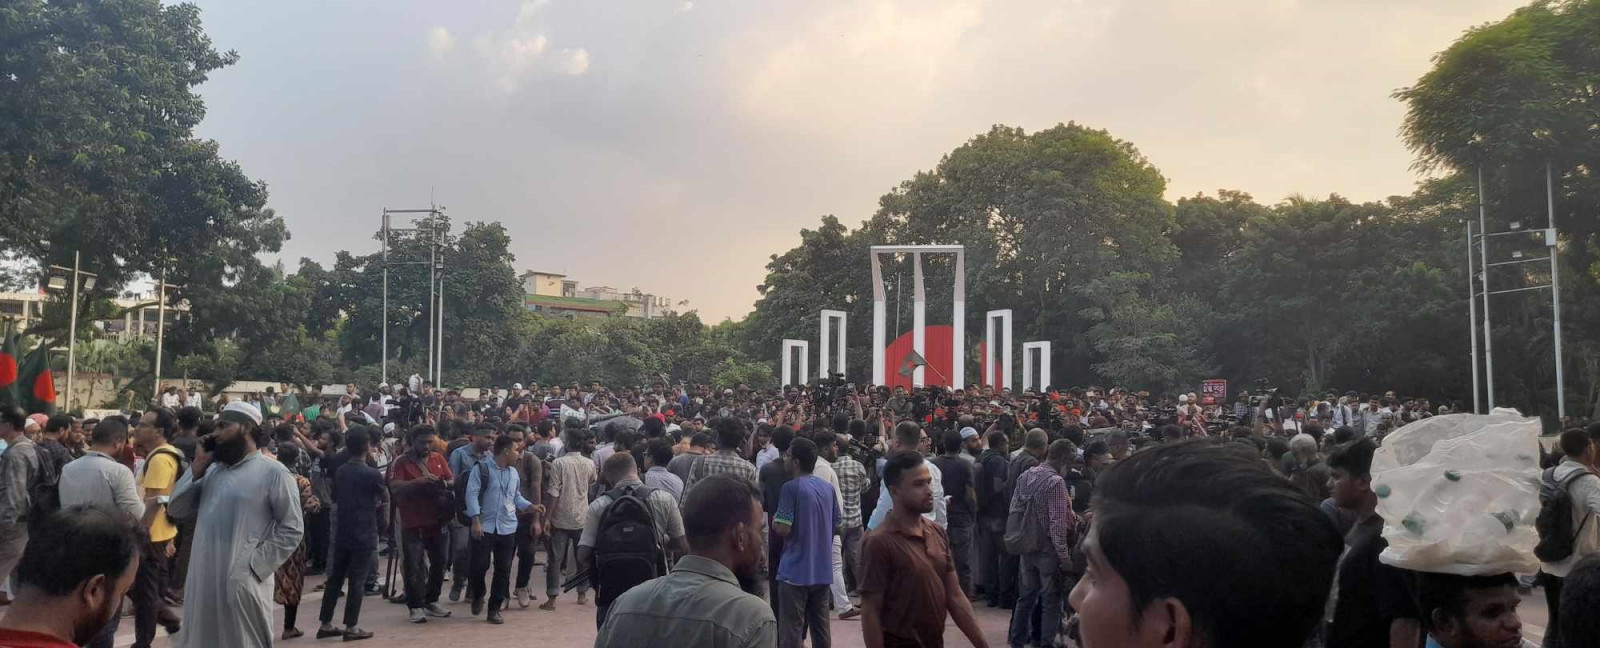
(690, 139)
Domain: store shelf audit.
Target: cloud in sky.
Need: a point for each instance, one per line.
(703, 145)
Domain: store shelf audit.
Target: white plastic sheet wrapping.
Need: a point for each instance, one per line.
(1459, 494)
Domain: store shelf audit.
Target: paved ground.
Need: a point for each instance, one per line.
(573, 625)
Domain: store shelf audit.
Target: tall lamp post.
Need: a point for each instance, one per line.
(434, 265)
(59, 277)
(161, 325)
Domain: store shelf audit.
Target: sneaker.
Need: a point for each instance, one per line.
(850, 614)
(524, 598)
(494, 617)
(477, 607)
(418, 615)
(436, 612)
(549, 604)
(357, 634)
(455, 595)
(328, 631)
(292, 633)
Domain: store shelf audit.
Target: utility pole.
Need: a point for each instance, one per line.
(1472, 316)
(1488, 332)
(1555, 288)
(385, 371)
(161, 324)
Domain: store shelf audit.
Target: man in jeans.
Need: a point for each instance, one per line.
(1043, 493)
(806, 519)
(494, 498)
(853, 482)
(419, 479)
(992, 509)
(571, 474)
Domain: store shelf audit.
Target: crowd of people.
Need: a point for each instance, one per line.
(742, 517)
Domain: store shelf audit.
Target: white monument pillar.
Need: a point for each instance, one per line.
(1028, 348)
(919, 318)
(788, 362)
(919, 312)
(825, 368)
(990, 371)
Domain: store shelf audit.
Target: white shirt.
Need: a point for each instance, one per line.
(885, 503)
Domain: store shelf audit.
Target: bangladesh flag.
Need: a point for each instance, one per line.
(34, 383)
(10, 348)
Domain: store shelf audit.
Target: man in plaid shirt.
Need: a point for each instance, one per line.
(853, 482)
(726, 461)
(1043, 570)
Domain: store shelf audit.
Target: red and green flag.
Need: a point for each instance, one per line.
(35, 383)
(10, 350)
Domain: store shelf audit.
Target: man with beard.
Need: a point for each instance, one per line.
(247, 522)
(72, 578)
(420, 480)
(705, 600)
(909, 583)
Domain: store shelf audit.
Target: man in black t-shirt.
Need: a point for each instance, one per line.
(772, 477)
(956, 473)
(358, 490)
(1371, 604)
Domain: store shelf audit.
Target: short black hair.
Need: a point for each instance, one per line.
(713, 505)
(804, 452)
(1343, 434)
(699, 440)
(1580, 590)
(998, 441)
(841, 422)
(1062, 452)
(660, 451)
(730, 432)
(58, 423)
(951, 441)
(1448, 592)
(782, 438)
(547, 427)
(166, 421)
(908, 434)
(624, 438)
(357, 443)
(1574, 443)
(503, 442)
(1072, 433)
(1095, 449)
(1270, 546)
(77, 543)
(653, 427)
(1355, 457)
(420, 431)
(897, 464)
(189, 417)
(111, 430)
(14, 416)
(1171, 432)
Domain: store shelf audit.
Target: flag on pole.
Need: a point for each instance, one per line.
(909, 364)
(10, 348)
(35, 384)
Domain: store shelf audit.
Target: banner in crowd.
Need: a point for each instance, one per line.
(1214, 392)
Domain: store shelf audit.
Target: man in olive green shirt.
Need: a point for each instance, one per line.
(704, 601)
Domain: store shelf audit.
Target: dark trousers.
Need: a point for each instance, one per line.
(348, 572)
(424, 568)
(526, 549)
(850, 543)
(178, 568)
(961, 550)
(1010, 568)
(1552, 601)
(499, 547)
(802, 607)
(1040, 593)
(318, 536)
(148, 608)
(990, 551)
(108, 635)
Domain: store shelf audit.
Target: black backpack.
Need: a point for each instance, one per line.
(44, 495)
(1557, 537)
(626, 551)
(461, 492)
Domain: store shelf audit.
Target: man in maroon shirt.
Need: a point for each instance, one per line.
(420, 480)
(78, 565)
(910, 582)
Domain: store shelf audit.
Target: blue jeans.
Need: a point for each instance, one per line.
(1040, 589)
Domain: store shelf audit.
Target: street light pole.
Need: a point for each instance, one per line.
(72, 331)
(161, 324)
(385, 370)
(1555, 289)
(433, 260)
(438, 365)
(1488, 336)
(1472, 316)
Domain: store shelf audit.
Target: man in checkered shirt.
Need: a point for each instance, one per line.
(726, 461)
(853, 482)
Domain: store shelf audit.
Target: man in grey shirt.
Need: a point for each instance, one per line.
(21, 467)
(704, 601)
(97, 478)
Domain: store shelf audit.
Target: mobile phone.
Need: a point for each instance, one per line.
(163, 499)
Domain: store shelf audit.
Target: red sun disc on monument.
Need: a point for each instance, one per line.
(8, 369)
(44, 387)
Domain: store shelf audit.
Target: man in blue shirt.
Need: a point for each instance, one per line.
(462, 547)
(493, 501)
(807, 519)
(359, 490)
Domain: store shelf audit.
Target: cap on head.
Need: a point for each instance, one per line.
(241, 412)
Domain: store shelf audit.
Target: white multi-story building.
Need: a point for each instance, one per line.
(554, 294)
(139, 320)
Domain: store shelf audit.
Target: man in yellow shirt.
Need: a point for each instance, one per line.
(162, 465)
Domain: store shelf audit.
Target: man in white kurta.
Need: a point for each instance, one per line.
(247, 523)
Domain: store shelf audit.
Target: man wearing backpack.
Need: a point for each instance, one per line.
(628, 531)
(1040, 530)
(1569, 497)
(23, 475)
(163, 464)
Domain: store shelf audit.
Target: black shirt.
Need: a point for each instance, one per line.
(772, 477)
(187, 444)
(991, 486)
(1371, 594)
(357, 490)
(956, 476)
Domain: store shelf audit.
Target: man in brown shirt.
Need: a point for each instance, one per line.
(909, 582)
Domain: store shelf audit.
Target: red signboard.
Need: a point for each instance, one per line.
(1214, 392)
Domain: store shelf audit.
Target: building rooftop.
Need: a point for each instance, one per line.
(574, 303)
